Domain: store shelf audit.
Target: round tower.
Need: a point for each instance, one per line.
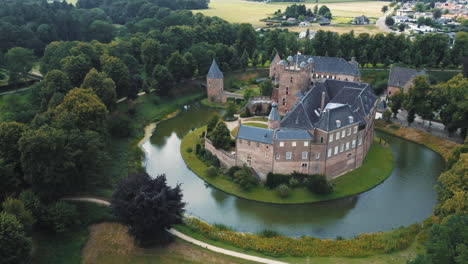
(215, 84)
(274, 117)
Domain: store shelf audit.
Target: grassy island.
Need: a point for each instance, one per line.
(377, 167)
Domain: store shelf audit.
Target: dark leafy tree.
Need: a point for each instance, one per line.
(150, 55)
(221, 137)
(162, 80)
(212, 123)
(176, 65)
(266, 87)
(15, 246)
(244, 60)
(17, 208)
(103, 86)
(60, 216)
(246, 39)
(116, 69)
(18, 62)
(148, 207)
(55, 81)
(389, 21)
(76, 67)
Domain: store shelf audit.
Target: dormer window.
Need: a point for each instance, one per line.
(338, 123)
(351, 119)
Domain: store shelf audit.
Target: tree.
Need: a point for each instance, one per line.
(148, 207)
(76, 67)
(81, 109)
(16, 207)
(212, 123)
(231, 110)
(325, 11)
(103, 86)
(387, 114)
(176, 65)
(396, 102)
(384, 9)
(411, 116)
(389, 21)
(221, 137)
(191, 66)
(55, 81)
(115, 69)
(283, 190)
(437, 13)
(244, 61)
(60, 216)
(150, 55)
(101, 31)
(162, 80)
(11, 174)
(266, 87)
(401, 27)
(15, 247)
(18, 62)
(246, 39)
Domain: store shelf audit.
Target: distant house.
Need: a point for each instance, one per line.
(305, 24)
(400, 19)
(405, 12)
(421, 28)
(361, 20)
(401, 79)
(324, 22)
(292, 21)
(423, 14)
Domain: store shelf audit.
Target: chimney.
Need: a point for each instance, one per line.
(322, 106)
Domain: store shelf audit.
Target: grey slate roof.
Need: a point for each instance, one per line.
(399, 76)
(274, 114)
(215, 72)
(286, 134)
(256, 134)
(330, 64)
(342, 99)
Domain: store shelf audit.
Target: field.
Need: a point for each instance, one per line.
(237, 11)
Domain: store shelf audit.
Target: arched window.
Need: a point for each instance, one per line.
(284, 101)
(291, 79)
(287, 90)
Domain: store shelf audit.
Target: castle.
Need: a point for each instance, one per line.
(328, 122)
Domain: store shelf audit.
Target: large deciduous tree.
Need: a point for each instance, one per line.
(221, 136)
(18, 62)
(177, 64)
(246, 39)
(55, 82)
(148, 207)
(76, 67)
(118, 72)
(103, 86)
(15, 246)
(161, 80)
(150, 54)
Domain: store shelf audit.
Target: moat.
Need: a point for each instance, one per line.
(406, 197)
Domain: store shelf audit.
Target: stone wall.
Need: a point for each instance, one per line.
(227, 159)
(255, 154)
(215, 90)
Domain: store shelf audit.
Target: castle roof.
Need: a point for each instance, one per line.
(274, 114)
(292, 134)
(342, 100)
(329, 64)
(214, 72)
(256, 134)
(399, 76)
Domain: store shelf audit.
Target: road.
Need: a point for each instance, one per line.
(380, 23)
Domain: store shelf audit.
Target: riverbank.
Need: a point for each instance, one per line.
(377, 167)
(439, 145)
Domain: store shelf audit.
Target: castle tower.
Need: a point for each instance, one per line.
(215, 84)
(274, 117)
(274, 67)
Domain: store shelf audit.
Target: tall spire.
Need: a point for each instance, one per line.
(214, 72)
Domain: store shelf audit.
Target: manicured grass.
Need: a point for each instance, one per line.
(111, 243)
(52, 248)
(400, 257)
(439, 145)
(258, 118)
(238, 11)
(376, 168)
(255, 90)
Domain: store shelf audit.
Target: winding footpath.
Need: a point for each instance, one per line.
(187, 238)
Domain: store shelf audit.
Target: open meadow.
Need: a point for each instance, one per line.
(238, 11)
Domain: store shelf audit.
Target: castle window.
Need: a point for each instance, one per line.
(347, 145)
(355, 129)
(304, 155)
(337, 135)
(342, 148)
(330, 152)
(284, 101)
(288, 155)
(281, 144)
(291, 79)
(306, 143)
(360, 141)
(331, 138)
(304, 165)
(343, 133)
(317, 155)
(336, 150)
(277, 156)
(321, 139)
(349, 154)
(349, 131)
(338, 123)
(353, 145)
(293, 143)
(287, 90)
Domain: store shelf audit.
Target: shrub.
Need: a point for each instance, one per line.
(189, 150)
(197, 149)
(231, 171)
(269, 233)
(245, 178)
(212, 172)
(60, 216)
(223, 227)
(15, 247)
(318, 184)
(283, 190)
(221, 137)
(32, 202)
(274, 180)
(16, 207)
(293, 183)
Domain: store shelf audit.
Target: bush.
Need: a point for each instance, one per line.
(293, 183)
(269, 233)
(283, 190)
(212, 172)
(274, 180)
(318, 184)
(189, 150)
(15, 246)
(197, 149)
(245, 178)
(61, 216)
(32, 202)
(16, 207)
(231, 171)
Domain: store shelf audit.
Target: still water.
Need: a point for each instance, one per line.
(406, 197)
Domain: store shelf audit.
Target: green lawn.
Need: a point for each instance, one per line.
(213, 105)
(376, 168)
(255, 90)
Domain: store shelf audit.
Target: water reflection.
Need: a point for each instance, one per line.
(407, 196)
